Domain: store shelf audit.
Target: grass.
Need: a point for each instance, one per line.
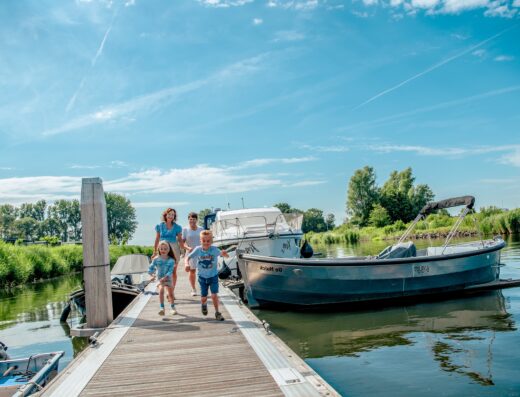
(434, 226)
(22, 264)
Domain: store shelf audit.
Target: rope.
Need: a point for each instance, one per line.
(107, 264)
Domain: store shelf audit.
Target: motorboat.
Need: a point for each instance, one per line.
(259, 231)
(128, 278)
(399, 271)
(24, 376)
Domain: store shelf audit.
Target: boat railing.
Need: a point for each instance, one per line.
(246, 226)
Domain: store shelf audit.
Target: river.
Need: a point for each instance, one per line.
(459, 347)
(466, 346)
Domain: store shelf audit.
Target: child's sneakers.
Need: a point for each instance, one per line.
(173, 312)
(204, 309)
(193, 292)
(219, 316)
(161, 312)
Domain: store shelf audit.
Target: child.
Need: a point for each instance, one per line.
(164, 263)
(205, 257)
(191, 239)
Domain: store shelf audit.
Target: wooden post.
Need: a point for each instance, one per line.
(96, 258)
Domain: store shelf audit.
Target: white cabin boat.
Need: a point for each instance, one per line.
(256, 231)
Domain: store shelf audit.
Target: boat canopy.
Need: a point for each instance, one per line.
(468, 201)
(131, 264)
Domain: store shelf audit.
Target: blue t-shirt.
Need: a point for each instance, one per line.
(206, 261)
(164, 267)
(168, 235)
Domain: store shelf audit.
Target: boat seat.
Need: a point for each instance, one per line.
(401, 250)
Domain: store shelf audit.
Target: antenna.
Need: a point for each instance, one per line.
(243, 202)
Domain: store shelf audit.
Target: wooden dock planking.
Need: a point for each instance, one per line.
(189, 354)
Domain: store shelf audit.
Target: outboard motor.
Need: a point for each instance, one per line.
(224, 272)
(3, 352)
(306, 250)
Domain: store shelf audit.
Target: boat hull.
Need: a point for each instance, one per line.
(280, 245)
(324, 282)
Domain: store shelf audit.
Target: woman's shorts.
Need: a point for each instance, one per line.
(208, 283)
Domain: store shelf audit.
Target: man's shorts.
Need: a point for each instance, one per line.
(211, 283)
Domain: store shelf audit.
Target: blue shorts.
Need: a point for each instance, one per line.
(211, 283)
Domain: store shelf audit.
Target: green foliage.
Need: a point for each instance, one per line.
(8, 214)
(362, 195)
(379, 216)
(330, 220)
(26, 228)
(51, 240)
(201, 215)
(21, 264)
(120, 218)
(313, 221)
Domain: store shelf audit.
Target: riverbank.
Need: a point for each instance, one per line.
(22, 264)
(486, 222)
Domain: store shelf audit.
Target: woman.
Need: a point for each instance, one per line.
(171, 232)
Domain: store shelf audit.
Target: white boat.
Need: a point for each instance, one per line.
(24, 376)
(256, 231)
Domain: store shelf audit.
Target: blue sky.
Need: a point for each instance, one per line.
(197, 104)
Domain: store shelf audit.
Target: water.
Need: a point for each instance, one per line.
(468, 346)
(30, 319)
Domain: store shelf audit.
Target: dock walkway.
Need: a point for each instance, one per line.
(142, 353)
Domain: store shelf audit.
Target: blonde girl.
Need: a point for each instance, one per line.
(163, 266)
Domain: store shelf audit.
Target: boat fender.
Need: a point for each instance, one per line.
(65, 313)
(3, 352)
(306, 250)
(224, 271)
(128, 279)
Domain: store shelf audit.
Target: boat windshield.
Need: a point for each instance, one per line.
(247, 225)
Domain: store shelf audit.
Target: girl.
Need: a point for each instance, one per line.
(164, 264)
(170, 232)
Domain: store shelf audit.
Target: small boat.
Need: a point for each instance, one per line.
(262, 231)
(128, 280)
(24, 376)
(399, 271)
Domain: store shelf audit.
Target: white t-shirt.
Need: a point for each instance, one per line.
(192, 237)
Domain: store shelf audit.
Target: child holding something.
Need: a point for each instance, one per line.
(163, 265)
(205, 257)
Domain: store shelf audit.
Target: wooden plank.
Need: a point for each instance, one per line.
(96, 259)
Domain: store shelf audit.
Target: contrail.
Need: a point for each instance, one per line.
(99, 51)
(432, 68)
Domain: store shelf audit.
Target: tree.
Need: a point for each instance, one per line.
(401, 199)
(330, 221)
(362, 195)
(379, 216)
(8, 214)
(66, 219)
(120, 218)
(26, 228)
(202, 214)
(313, 221)
(35, 211)
(283, 207)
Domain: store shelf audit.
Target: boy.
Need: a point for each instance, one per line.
(205, 258)
(191, 239)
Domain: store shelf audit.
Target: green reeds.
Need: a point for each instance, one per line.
(21, 264)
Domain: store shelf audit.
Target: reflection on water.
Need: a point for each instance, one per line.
(464, 346)
(29, 319)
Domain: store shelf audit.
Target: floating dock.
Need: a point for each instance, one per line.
(188, 354)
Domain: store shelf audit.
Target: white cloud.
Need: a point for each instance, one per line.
(370, 2)
(516, 3)
(426, 4)
(512, 157)
(318, 148)
(301, 5)
(258, 21)
(504, 58)
(481, 53)
(158, 99)
(200, 179)
(288, 35)
(305, 183)
(456, 6)
(224, 3)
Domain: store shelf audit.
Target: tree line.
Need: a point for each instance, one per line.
(398, 198)
(61, 221)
